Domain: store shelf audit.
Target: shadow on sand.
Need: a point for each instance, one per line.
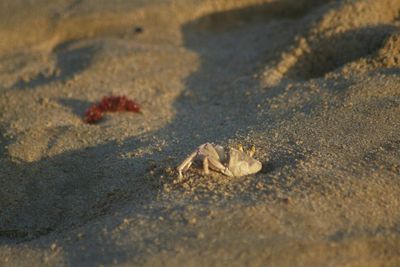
(66, 191)
(70, 60)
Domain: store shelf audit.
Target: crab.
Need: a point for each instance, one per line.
(232, 163)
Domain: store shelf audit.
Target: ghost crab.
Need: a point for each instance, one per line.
(232, 163)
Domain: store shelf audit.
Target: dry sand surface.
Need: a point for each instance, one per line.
(314, 85)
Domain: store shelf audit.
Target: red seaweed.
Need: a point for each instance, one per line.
(93, 114)
(110, 104)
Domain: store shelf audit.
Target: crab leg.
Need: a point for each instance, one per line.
(185, 165)
(205, 165)
(218, 166)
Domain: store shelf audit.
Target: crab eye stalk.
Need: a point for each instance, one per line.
(240, 147)
(252, 151)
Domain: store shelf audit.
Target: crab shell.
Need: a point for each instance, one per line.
(241, 164)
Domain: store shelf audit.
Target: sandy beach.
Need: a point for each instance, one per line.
(314, 85)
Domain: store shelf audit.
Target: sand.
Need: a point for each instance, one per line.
(314, 85)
